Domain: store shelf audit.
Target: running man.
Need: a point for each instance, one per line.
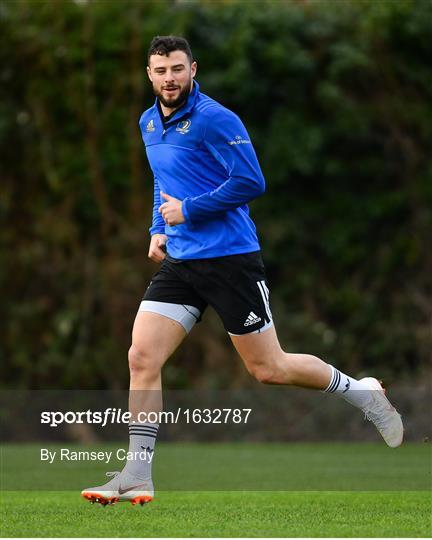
(205, 172)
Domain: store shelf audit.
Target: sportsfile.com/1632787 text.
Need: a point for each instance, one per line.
(117, 416)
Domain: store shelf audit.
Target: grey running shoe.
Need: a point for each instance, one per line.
(381, 412)
(122, 487)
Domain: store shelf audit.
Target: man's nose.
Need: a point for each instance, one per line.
(169, 76)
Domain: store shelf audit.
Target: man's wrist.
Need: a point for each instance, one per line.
(185, 210)
(157, 230)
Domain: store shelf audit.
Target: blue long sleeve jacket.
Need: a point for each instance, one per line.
(204, 157)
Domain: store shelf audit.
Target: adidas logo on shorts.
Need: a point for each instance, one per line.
(252, 319)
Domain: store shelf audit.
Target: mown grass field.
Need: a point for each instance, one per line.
(245, 505)
(213, 514)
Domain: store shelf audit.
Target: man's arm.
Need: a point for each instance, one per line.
(158, 237)
(158, 224)
(227, 140)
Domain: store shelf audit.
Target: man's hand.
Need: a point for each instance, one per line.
(171, 210)
(157, 242)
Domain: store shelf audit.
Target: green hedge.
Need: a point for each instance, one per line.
(336, 96)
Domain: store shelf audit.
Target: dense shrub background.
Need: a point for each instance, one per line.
(337, 98)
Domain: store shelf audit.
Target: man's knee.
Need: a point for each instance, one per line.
(143, 360)
(272, 371)
(263, 373)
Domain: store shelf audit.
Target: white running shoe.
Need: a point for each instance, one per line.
(122, 487)
(381, 412)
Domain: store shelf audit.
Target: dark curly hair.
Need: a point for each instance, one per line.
(163, 45)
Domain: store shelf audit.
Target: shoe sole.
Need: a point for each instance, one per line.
(93, 498)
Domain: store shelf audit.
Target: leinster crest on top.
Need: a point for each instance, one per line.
(183, 126)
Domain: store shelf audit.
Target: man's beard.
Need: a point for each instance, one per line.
(173, 103)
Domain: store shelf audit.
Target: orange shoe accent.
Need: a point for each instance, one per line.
(141, 499)
(97, 498)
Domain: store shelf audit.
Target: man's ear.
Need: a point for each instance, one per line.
(148, 73)
(194, 67)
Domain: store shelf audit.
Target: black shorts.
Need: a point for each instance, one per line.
(235, 286)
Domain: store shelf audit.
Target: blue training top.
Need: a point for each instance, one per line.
(203, 156)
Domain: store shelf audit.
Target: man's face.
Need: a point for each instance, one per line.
(171, 77)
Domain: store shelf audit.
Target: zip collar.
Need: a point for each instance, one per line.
(184, 110)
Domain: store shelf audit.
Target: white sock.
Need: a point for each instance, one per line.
(142, 439)
(353, 391)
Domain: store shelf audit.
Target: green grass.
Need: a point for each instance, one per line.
(234, 467)
(244, 490)
(207, 514)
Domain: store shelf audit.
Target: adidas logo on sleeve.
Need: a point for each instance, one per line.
(252, 319)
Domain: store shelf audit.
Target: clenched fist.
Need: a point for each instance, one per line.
(157, 243)
(171, 210)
